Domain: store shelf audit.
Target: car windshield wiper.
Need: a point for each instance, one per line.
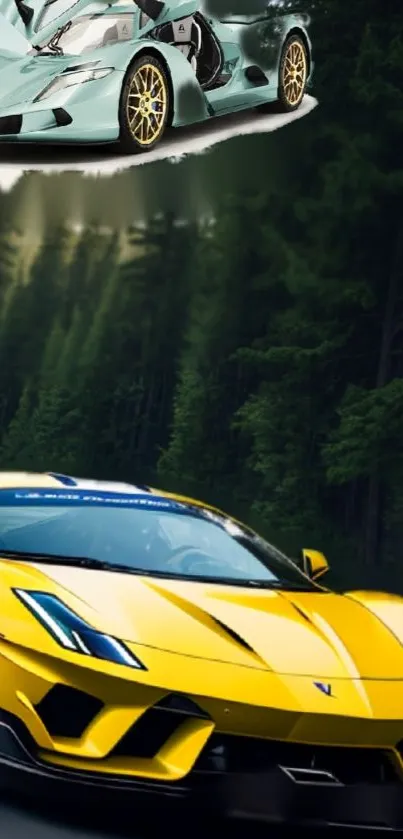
(103, 565)
(52, 47)
(279, 585)
(226, 581)
(63, 559)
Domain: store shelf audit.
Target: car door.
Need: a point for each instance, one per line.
(250, 41)
(47, 15)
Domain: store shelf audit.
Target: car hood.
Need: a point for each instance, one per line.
(319, 634)
(24, 77)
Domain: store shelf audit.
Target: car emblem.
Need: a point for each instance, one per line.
(326, 689)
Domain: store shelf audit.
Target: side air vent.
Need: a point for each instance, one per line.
(62, 117)
(149, 734)
(67, 712)
(256, 76)
(11, 124)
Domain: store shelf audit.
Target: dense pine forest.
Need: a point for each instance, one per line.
(254, 359)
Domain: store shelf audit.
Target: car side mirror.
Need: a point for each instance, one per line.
(313, 563)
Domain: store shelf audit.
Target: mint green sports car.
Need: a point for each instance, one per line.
(76, 71)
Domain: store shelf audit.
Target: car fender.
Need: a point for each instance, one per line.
(189, 102)
(296, 23)
(388, 608)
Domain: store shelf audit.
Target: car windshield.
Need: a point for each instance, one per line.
(91, 32)
(141, 534)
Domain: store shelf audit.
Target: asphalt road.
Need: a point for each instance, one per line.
(19, 821)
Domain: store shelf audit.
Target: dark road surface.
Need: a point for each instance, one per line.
(19, 821)
(47, 820)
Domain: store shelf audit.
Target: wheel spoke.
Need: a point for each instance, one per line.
(146, 104)
(294, 73)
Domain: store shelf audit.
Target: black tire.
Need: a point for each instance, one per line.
(283, 103)
(132, 141)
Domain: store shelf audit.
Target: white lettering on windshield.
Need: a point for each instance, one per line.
(139, 502)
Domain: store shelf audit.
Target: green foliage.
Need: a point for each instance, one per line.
(369, 436)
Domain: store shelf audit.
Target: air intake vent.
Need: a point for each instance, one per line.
(228, 753)
(178, 704)
(67, 712)
(149, 734)
(234, 635)
(11, 124)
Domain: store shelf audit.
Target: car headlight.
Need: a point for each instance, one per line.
(74, 633)
(70, 79)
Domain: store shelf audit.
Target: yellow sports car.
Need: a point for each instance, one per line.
(149, 643)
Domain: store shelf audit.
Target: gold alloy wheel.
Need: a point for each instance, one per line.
(147, 103)
(294, 73)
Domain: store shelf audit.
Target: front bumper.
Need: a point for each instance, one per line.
(21, 771)
(56, 125)
(272, 796)
(83, 113)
